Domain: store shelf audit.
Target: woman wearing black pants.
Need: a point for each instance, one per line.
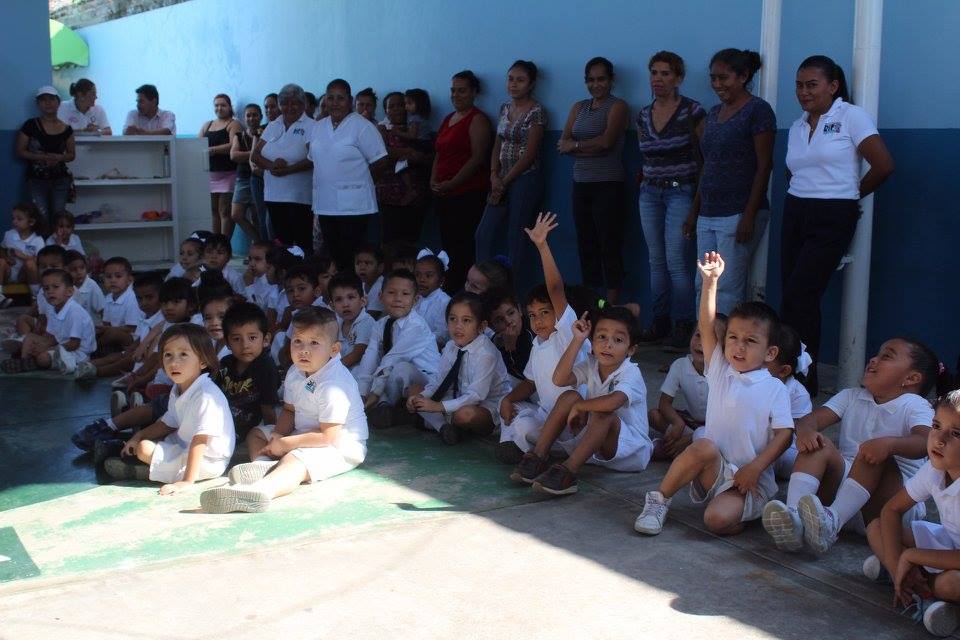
(824, 150)
(594, 135)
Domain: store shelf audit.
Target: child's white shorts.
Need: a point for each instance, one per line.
(633, 449)
(753, 503)
(930, 535)
(326, 462)
(169, 462)
(525, 427)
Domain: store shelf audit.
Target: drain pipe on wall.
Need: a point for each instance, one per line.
(769, 76)
(867, 37)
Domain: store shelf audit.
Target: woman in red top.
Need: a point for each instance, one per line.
(459, 178)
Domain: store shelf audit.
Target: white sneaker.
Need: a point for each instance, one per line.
(121, 382)
(820, 526)
(941, 618)
(784, 526)
(85, 370)
(118, 403)
(136, 399)
(250, 472)
(650, 521)
(237, 497)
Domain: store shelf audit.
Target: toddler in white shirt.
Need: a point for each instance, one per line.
(433, 301)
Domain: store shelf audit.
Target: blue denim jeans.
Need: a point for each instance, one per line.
(49, 194)
(663, 211)
(720, 234)
(517, 211)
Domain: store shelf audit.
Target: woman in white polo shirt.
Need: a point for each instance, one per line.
(342, 148)
(824, 150)
(281, 152)
(83, 113)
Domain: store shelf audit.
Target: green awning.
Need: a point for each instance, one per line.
(66, 47)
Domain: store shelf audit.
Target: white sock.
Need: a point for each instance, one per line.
(801, 484)
(112, 424)
(850, 499)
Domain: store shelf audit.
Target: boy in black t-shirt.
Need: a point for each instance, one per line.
(248, 376)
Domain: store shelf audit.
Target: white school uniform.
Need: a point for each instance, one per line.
(29, 246)
(259, 291)
(342, 184)
(176, 271)
(931, 483)
(633, 445)
(68, 112)
(482, 380)
(413, 357)
(827, 164)
(361, 332)
(688, 386)
(160, 120)
(72, 321)
(202, 410)
(800, 406)
(122, 310)
(743, 410)
(433, 309)
(73, 244)
(289, 143)
(328, 396)
(373, 295)
(232, 276)
(862, 419)
(143, 329)
(90, 296)
(525, 427)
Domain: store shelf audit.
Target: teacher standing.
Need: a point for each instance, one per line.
(824, 152)
(594, 135)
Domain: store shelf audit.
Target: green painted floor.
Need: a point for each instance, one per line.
(57, 518)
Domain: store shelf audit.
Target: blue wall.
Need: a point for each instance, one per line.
(248, 48)
(25, 49)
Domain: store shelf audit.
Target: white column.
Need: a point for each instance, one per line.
(867, 36)
(769, 76)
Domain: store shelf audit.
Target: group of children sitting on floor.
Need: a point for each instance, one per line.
(296, 360)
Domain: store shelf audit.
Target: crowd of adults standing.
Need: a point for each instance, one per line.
(299, 162)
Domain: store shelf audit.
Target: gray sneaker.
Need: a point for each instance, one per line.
(234, 498)
(250, 472)
(784, 526)
(85, 370)
(650, 521)
(120, 469)
(941, 618)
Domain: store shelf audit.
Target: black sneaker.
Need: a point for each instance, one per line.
(679, 339)
(530, 466)
(122, 469)
(85, 437)
(106, 448)
(450, 434)
(656, 332)
(508, 453)
(557, 481)
(380, 416)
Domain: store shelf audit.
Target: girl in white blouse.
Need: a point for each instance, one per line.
(464, 393)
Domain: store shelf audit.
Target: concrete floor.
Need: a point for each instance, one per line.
(423, 541)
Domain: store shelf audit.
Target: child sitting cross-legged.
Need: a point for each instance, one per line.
(300, 283)
(321, 432)
(356, 325)
(922, 559)
(748, 422)
(121, 315)
(792, 360)
(432, 304)
(63, 234)
(194, 439)
(62, 337)
(606, 427)
(257, 285)
(676, 426)
(402, 352)
(86, 290)
(216, 256)
(464, 393)
(883, 436)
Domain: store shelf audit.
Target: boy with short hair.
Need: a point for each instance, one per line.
(368, 265)
(121, 315)
(325, 266)
(49, 257)
(300, 286)
(257, 289)
(356, 325)
(748, 426)
(402, 351)
(321, 432)
(216, 256)
(85, 290)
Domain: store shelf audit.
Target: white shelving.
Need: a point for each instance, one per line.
(147, 165)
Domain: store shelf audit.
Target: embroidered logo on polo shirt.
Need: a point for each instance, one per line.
(831, 127)
(299, 131)
(311, 386)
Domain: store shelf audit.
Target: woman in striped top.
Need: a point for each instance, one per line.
(668, 131)
(594, 135)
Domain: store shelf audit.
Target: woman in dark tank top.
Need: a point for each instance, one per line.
(223, 171)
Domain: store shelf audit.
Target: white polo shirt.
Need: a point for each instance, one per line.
(30, 246)
(628, 380)
(545, 354)
(90, 296)
(373, 295)
(361, 331)
(72, 321)
(685, 383)
(202, 410)
(161, 120)
(482, 379)
(930, 483)
(330, 395)
(827, 165)
(342, 184)
(289, 143)
(122, 310)
(862, 419)
(800, 403)
(259, 291)
(742, 411)
(146, 325)
(73, 244)
(69, 113)
(433, 309)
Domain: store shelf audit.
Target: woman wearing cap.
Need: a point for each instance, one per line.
(47, 144)
(83, 113)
